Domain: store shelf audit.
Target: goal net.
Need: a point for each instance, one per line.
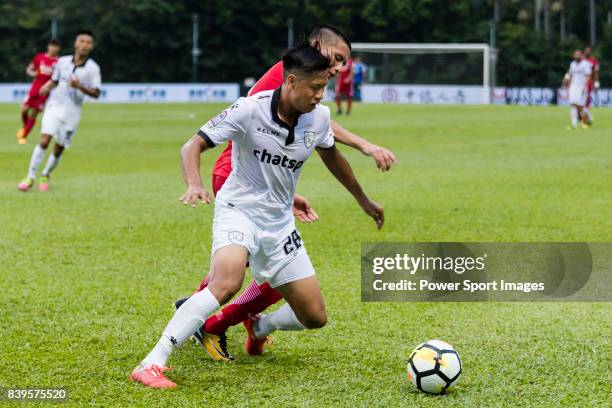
(425, 73)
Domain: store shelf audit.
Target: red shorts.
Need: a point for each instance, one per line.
(35, 101)
(345, 89)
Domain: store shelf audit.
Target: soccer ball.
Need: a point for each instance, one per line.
(434, 367)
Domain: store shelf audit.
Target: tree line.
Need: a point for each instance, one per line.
(151, 40)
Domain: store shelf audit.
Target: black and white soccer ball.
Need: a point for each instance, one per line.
(434, 367)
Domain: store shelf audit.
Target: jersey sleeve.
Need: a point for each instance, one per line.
(55, 76)
(231, 124)
(36, 61)
(96, 79)
(327, 141)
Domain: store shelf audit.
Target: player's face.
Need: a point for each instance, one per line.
(53, 49)
(307, 91)
(587, 51)
(338, 54)
(83, 44)
(577, 55)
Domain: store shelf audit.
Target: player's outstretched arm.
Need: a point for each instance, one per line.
(92, 92)
(384, 158)
(190, 165)
(337, 164)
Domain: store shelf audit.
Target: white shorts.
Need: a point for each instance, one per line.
(578, 95)
(275, 256)
(55, 124)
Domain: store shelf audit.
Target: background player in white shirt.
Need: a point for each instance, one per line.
(74, 77)
(273, 134)
(577, 79)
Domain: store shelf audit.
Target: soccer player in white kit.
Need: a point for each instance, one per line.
(273, 134)
(74, 76)
(577, 79)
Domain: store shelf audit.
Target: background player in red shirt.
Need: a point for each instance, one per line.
(344, 86)
(40, 69)
(593, 82)
(256, 298)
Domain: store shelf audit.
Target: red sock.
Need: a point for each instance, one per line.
(24, 117)
(255, 299)
(29, 125)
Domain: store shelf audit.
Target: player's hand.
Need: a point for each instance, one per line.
(374, 210)
(74, 82)
(596, 84)
(384, 158)
(195, 194)
(303, 211)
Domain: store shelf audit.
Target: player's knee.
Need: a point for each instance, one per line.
(315, 320)
(45, 140)
(223, 289)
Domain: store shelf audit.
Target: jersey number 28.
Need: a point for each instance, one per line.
(293, 242)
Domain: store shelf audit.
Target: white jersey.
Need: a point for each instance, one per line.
(65, 100)
(267, 155)
(579, 73)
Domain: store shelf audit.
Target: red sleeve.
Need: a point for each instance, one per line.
(270, 80)
(36, 60)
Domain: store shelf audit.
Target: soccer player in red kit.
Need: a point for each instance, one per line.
(256, 298)
(40, 69)
(344, 86)
(593, 82)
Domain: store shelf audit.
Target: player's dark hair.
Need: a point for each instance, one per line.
(86, 32)
(53, 41)
(320, 31)
(304, 59)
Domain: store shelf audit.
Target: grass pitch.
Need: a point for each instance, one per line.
(89, 269)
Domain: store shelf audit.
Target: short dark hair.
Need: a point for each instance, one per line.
(86, 32)
(323, 29)
(53, 41)
(304, 59)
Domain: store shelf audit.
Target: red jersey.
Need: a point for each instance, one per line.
(345, 72)
(594, 67)
(44, 68)
(269, 81)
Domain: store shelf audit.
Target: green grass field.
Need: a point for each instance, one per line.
(89, 269)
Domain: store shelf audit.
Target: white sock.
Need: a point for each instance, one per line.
(186, 320)
(283, 319)
(574, 116)
(587, 112)
(38, 155)
(52, 163)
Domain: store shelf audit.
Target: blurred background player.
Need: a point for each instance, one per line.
(593, 84)
(256, 298)
(577, 79)
(74, 76)
(344, 86)
(40, 69)
(359, 70)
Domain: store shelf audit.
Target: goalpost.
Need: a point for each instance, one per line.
(442, 69)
